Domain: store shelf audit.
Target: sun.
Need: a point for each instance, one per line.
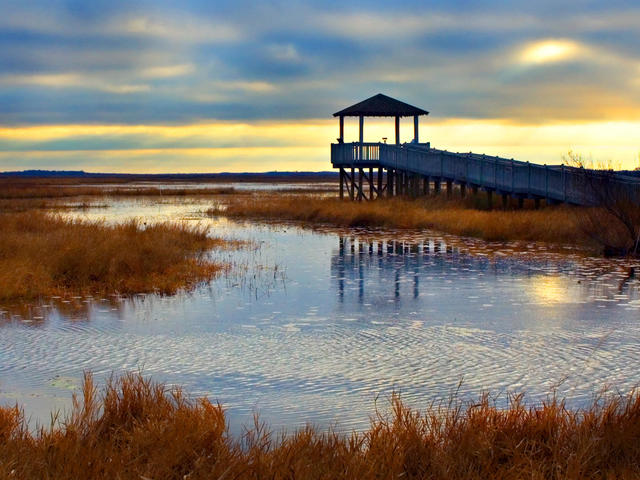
(548, 51)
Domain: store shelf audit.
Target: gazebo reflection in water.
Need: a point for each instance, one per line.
(357, 258)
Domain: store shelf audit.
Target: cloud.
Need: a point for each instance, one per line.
(283, 52)
(129, 21)
(388, 27)
(72, 80)
(168, 71)
(178, 27)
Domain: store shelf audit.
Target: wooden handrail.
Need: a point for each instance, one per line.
(557, 182)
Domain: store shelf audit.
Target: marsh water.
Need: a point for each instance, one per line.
(322, 325)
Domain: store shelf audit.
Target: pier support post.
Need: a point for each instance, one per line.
(390, 175)
(490, 199)
(379, 182)
(449, 188)
(395, 180)
(505, 201)
(353, 184)
(360, 184)
(520, 202)
(474, 189)
(463, 190)
(425, 185)
(436, 185)
(341, 182)
(370, 183)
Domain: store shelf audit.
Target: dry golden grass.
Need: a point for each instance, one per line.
(43, 255)
(138, 429)
(557, 225)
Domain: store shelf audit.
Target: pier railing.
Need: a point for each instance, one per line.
(556, 182)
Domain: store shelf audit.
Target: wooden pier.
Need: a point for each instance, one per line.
(374, 170)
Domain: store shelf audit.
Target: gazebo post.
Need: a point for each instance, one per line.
(341, 139)
(415, 128)
(397, 130)
(361, 128)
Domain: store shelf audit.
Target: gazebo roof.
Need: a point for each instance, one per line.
(381, 106)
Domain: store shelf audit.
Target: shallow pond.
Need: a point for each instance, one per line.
(315, 325)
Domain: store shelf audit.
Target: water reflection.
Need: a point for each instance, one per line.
(402, 259)
(379, 268)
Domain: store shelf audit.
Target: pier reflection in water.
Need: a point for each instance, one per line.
(355, 256)
(436, 280)
(377, 262)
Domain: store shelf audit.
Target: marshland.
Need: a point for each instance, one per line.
(279, 300)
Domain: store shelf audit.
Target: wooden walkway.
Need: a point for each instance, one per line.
(372, 170)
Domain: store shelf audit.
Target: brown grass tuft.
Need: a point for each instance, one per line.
(557, 225)
(139, 429)
(43, 255)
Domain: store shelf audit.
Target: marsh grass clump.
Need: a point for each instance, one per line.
(556, 225)
(44, 254)
(141, 429)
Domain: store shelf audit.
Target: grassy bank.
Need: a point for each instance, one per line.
(141, 430)
(44, 255)
(557, 225)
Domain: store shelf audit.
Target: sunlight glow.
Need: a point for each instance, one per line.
(549, 290)
(549, 51)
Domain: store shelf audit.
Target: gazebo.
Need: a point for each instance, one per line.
(363, 155)
(381, 106)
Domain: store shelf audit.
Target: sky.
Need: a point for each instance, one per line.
(210, 86)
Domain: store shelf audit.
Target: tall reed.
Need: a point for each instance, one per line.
(43, 254)
(138, 429)
(557, 225)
